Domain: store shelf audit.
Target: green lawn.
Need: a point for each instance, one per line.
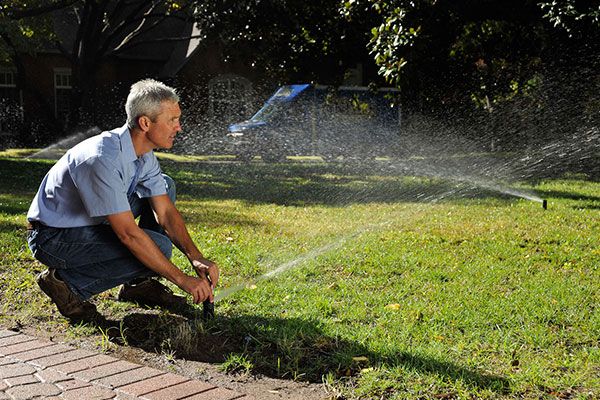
(397, 287)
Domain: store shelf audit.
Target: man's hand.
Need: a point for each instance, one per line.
(208, 270)
(199, 288)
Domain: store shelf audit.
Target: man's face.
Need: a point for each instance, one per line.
(164, 128)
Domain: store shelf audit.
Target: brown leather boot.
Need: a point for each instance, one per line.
(150, 292)
(68, 304)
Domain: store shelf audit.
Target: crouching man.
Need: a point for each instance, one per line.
(82, 220)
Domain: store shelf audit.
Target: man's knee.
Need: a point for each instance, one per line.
(170, 184)
(163, 242)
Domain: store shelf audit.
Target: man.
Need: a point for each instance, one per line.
(82, 220)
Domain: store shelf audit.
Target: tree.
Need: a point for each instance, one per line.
(24, 31)
(104, 29)
(489, 50)
(575, 17)
(287, 40)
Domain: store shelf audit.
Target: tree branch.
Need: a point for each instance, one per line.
(21, 13)
(137, 30)
(121, 27)
(159, 40)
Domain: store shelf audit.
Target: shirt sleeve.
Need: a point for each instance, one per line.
(151, 183)
(101, 187)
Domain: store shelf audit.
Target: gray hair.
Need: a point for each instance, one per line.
(145, 98)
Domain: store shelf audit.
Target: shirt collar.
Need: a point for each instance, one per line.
(127, 143)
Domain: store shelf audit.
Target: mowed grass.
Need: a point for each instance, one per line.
(398, 286)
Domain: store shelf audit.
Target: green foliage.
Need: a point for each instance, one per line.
(574, 17)
(488, 51)
(288, 40)
(27, 34)
(101, 30)
(237, 364)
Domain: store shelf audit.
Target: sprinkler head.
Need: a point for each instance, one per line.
(208, 310)
(545, 204)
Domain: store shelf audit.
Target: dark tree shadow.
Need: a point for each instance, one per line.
(556, 194)
(278, 347)
(306, 183)
(319, 183)
(22, 175)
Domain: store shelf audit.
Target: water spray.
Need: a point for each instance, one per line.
(209, 308)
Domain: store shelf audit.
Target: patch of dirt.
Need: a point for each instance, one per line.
(258, 386)
(145, 347)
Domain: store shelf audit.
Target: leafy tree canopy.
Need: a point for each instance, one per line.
(490, 48)
(287, 39)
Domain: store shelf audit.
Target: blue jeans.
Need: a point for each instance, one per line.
(92, 259)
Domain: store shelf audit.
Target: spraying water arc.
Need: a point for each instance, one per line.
(55, 150)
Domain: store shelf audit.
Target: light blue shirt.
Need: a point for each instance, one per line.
(94, 179)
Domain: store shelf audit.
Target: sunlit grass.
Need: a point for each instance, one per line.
(475, 296)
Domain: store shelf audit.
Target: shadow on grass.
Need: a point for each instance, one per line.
(302, 183)
(291, 348)
(556, 194)
(317, 183)
(22, 175)
(11, 227)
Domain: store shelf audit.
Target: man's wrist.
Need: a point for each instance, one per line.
(199, 265)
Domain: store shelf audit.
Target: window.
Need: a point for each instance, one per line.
(8, 86)
(11, 112)
(228, 97)
(62, 93)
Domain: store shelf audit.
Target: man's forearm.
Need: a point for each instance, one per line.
(145, 250)
(148, 253)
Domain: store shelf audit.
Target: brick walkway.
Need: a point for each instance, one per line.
(32, 369)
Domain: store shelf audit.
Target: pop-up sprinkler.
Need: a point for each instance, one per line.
(208, 310)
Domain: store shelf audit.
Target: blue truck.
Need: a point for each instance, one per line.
(333, 123)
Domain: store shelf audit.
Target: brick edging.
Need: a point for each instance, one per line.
(33, 367)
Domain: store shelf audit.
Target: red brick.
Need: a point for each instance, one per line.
(179, 391)
(123, 396)
(72, 384)
(51, 376)
(34, 390)
(21, 347)
(86, 363)
(6, 361)
(218, 394)
(128, 377)
(89, 392)
(7, 341)
(62, 358)
(105, 370)
(12, 370)
(21, 380)
(41, 352)
(152, 384)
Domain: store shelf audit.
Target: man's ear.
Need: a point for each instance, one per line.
(144, 123)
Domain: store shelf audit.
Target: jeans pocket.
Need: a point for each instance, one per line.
(48, 259)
